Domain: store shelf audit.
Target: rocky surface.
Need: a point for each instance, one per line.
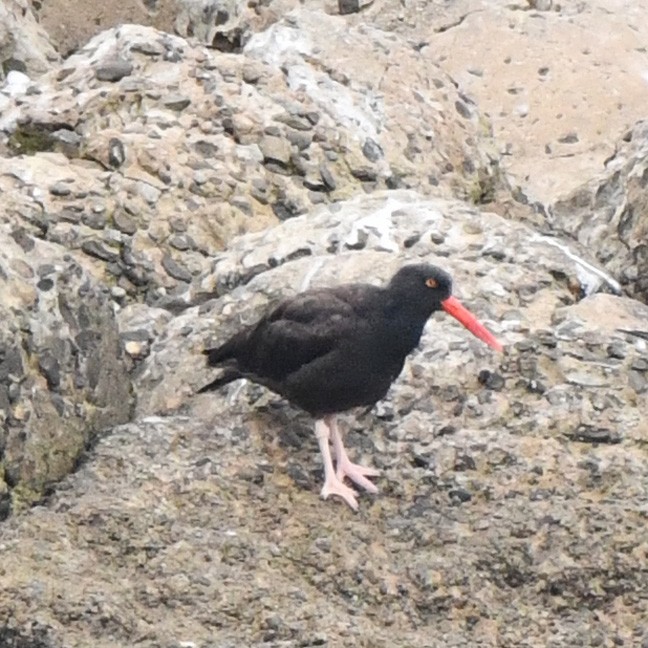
(608, 214)
(512, 487)
(158, 151)
(160, 189)
(556, 98)
(559, 81)
(62, 376)
(25, 46)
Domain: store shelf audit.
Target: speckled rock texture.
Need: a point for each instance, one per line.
(25, 46)
(62, 377)
(512, 494)
(557, 100)
(609, 214)
(160, 190)
(143, 154)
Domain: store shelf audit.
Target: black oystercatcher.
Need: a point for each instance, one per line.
(332, 349)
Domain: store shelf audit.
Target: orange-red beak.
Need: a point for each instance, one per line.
(453, 307)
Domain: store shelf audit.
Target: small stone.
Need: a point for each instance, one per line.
(638, 382)
(136, 349)
(181, 242)
(116, 152)
(569, 138)
(98, 250)
(45, 284)
(124, 223)
(251, 73)
(175, 270)
(176, 102)
(70, 216)
(67, 142)
(640, 364)
(276, 150)
(372, 150)
(348, 6)
(491, 380)
(327, 178)
(95, 220)
(147, 191)
(463, 109)
(591, 434)
(300, 139)
(148, 48)
(357, 240)
(460, 495)
(60, 189)
(616, 350)
(114, 70)
(50, 368)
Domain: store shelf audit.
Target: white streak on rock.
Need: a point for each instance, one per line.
(590, 276)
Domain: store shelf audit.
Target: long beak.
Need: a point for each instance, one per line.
(453, 307)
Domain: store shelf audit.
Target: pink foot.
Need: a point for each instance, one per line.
(333, 486)
(357, 474)
(345, 467)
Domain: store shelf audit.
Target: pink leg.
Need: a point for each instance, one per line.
(345, 467)
(332, 485)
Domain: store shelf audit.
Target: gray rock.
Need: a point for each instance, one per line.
(60, 369)
(606, 214)
(175, 269)
(98, 250)
(113, 70)
(275, 150)
(60, 189)
(177, 102)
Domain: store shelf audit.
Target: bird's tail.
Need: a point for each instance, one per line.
(226, 377)
(219, 354)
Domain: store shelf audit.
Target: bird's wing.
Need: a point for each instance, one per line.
(299, 331)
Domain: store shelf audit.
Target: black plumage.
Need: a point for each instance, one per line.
(329, 350)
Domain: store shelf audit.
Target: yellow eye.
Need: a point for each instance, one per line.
(431, 283)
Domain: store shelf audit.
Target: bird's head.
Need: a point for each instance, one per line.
(431, 288)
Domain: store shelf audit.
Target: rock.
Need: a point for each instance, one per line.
(474, 482)
(114, 70)
(60, 369)
(99, 250)
(145, 152)
(275, 150)
(24, 42)
(177, 102)
(520, 83)
(175, 270)
(513, 486)
(348, 6)
(606, 214)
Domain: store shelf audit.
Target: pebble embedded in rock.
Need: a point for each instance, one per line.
(98, 250)
(113, 70)
(124, 223)
(348, 6)
(116, 152)
(177, 102)
(175, 269)
(372, 150)
(60, 189)
(491, 380)
(275, 150)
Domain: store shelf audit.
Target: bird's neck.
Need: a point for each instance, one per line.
(405, 320)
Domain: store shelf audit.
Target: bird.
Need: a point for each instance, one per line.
(329, 350)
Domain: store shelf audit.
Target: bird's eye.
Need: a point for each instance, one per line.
(431, 283)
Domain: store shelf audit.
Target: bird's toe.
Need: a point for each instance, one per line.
(358, 474)
(337, 488)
